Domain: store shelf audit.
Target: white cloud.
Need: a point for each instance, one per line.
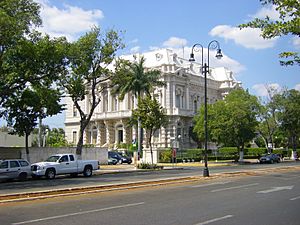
(262, 89)
(247, 37)
(134, 41)
(269, 11)
(135, 49)
(174, 42)
(153, 48)
(297, 87)
(296, 42)
(69, 21)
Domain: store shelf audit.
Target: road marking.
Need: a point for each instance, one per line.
(293, 199)
(78, 213)
(291, 177)
(215, 220)
(273, 189)
(235, 187)
(209, 184)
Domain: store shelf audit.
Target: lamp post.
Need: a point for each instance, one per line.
(204, 70)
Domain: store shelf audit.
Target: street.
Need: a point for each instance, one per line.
(271, 198)
(106, 179)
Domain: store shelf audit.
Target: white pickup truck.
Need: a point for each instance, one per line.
(63, 164)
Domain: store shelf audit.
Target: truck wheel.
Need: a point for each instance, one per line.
(50, 174)
(88, 171)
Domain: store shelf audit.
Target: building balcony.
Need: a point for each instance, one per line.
(112, 115)
(180, 112)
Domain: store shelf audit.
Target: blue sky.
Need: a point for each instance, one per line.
(177, 24)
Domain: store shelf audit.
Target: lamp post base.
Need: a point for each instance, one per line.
(205, 172)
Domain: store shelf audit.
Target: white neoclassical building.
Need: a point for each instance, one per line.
(181, 98)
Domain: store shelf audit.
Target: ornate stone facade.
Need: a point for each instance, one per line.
(181, 97)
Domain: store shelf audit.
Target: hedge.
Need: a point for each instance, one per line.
(225, 153)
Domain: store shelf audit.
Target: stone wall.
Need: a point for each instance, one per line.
(37, 154)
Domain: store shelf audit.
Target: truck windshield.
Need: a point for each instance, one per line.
(53, 158)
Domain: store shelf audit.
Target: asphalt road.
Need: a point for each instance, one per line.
(62, 182)
(266, 199)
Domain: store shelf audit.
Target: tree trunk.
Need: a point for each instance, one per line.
(139, 138)
(40, 132)
(80, 143)
(294, 143)
(150, 145)
(241, 152)
(26, 146)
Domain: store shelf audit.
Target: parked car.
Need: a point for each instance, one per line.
(112, 161)
(14, 169)
(63, 164)
(121, 158)
(269, 158)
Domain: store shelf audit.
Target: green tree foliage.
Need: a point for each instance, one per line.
(287, 24)
(232, 121)
(288, 105)
(17, 17)
(56, 138)
(152, 117)
(24, 108)
(88, 75)
(22, 113)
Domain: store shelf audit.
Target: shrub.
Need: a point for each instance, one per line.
(149, 166)
(165, 155)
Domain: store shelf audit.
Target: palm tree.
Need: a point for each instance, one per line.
(133, 77)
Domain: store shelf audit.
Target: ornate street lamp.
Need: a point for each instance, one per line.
(205, 69)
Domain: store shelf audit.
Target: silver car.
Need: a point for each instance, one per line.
(14, 169)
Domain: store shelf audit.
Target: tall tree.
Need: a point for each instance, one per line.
(288, 104)
(152, 117)
(89, 58)
(134, 78)
(287, 24)
(232, 121)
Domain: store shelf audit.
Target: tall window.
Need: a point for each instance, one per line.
(195, 106)
(115, 104)
(74, 111)
(105, 101)
(180, 98)
(94, 135)
(74, 137)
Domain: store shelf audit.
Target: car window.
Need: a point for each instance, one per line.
(23, 163)
(14, 164)
(4, 165)
(64, 158)
(71, 157)
(53, 158)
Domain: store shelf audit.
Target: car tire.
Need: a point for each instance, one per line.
(35, 177)
(50, 174)
(22, 176)
(88, 171)
(74, 174)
